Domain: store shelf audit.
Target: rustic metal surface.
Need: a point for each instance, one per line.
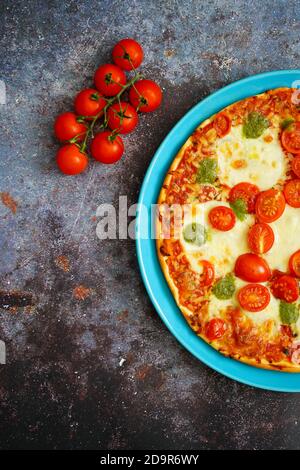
(80, 305)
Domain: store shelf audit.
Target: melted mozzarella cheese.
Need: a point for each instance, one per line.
(216, 307)
(255, 160)
(221, 248)
(287, 239)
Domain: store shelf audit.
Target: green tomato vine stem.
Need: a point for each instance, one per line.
(103, 113)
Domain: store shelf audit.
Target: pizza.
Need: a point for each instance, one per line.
(228, 230)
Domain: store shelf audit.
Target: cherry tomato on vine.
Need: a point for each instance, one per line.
(269, 205)
(222, 218)
(285, 288)
(128, 54)
(215, 329)
(71, 160)
(252, 268)
(122, 117)
(109, 79)
(89, 102)
(107, 148)
(66, 127)
(246, 191)
(145, 96)
(254, 297)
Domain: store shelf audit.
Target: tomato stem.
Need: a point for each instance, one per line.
(103, 113)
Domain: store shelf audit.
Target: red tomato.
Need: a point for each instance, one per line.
(89, 102)
(128, 54)
(215, 329)
(291, 191)
(252, 268)
(222, 218)
(294, 264)
(122, 117)
(296, 166)
(276, 274)
(109, 79)
(71, 160)
(260, 238)
(145, 96)
(208, 274)
(285, 288)
(254, 297)
(222, 124)
(246, 191)
(107, 148)
(67, 127)
(290, 138)
(269, 205)
(286, 330)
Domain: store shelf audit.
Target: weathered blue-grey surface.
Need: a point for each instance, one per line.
(63, 386)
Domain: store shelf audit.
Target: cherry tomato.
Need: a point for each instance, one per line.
(285, 288)
(222, 218)
(107, 148)
(290, 138)
(246, 191)
(215, 329)
(109, 79)
(71, 160)
(145, 96)
(286, 330)
(128, 54)
(89, 102)
(254, 297)
(208, 274)
(222, 124)
(66, 127)
(123, 117)
(291, 191)
(269, 205)
(252, 268)
(260, 238)
(294, 264)
(296, 166)
(276, 273)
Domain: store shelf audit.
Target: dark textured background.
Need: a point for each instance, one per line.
(63, 386)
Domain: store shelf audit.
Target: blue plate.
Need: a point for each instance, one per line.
(152, 275)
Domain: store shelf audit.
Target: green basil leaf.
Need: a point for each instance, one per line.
(225, 287)
(289, 313)
(207, 171)
(239, 207)
(254, 125)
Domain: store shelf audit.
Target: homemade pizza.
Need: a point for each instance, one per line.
(228, 230)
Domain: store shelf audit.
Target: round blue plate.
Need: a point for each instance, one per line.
(152, 275)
